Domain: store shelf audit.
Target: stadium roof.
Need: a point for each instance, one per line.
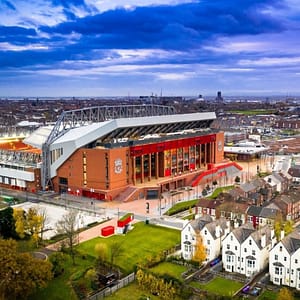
(123, 128)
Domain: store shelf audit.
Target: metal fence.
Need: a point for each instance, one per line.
(110, 290)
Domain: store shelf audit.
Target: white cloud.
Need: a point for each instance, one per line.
(104, 5)
(270, 61)
(175, 76)
(31, 14)
(10, 47)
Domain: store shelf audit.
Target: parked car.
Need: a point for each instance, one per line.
(255, 291)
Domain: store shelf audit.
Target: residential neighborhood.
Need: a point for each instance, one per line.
(184, 220)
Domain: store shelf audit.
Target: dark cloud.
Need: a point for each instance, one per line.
(8, 5)
(171, 27)
(11, 31)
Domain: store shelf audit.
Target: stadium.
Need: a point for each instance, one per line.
(118, 153)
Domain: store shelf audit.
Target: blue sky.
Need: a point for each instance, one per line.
(115, 48)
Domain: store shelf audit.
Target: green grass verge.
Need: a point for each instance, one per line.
(219, 190)
(139, 244)
(60, 287)
(169, 269)
(181, 206)
(254, 112)
(219, 286)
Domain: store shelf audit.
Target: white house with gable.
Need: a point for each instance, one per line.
(212, 233)
(246, 250)
(284, 262)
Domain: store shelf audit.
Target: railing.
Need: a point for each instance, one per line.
(110, 290)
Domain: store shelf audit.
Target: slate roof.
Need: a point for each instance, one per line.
(254, 210)
(257, 235)
(268, 212)
(292, 241)
(208, 203)
(243, 232)
(211, 227)
(199, 223)
(247, 187)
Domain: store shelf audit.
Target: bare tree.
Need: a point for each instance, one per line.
(68, 226)
(42, 211)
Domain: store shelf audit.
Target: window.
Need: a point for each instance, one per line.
(278, 270)
(228, 246)
(63, 180)
(235, 247)
(245, 250)
(284, 258)
(205, 232)
(276, 257)
(296, 261)
(186, 237)
(253, 252)
(208, 242)
(250, 263)
(228, 258)
(280, 248)
(250, 242)
(231, 238)
(186, 248)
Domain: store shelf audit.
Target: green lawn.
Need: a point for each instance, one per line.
(181, 206)
(169, 269)
(268, 295)
(131, 291)
(140, 243)
(219, 286)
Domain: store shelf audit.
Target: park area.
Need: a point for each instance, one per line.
(139, 246)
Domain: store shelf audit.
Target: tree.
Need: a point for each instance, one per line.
(101, 251)
(280, 225)
(58, 260)
(7, 223)
(285, 294)
(68, 226)
(116, 250)
(33, 224)
(44, 220)
(199, 254)
(29, 223)
(21, 273)
(19, 216)
(288, 227)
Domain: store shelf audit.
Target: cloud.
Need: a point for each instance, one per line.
(201, 43)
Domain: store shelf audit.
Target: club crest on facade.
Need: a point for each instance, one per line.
(118, 166)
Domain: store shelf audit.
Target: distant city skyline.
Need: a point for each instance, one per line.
(93, 48)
